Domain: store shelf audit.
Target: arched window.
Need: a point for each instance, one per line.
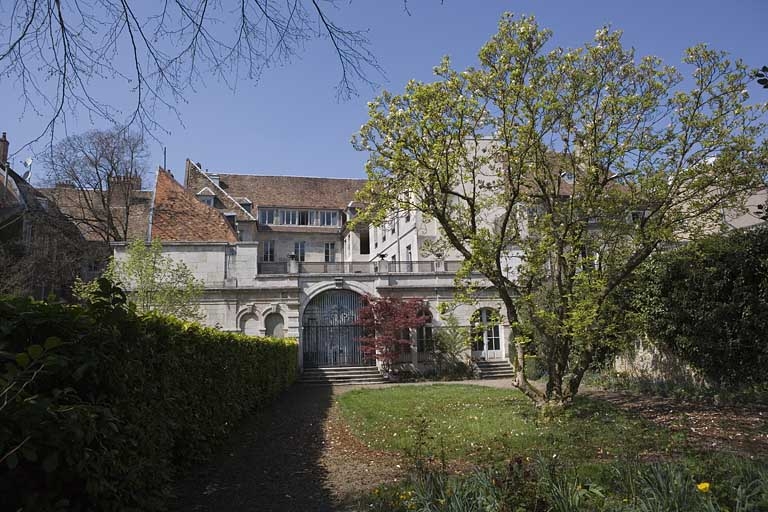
(274, 325)
(249, 325)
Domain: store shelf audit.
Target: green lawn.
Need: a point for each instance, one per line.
(481, 424)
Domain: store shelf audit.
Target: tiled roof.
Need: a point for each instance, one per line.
(180, 217)
(292, 191)
(196, 179)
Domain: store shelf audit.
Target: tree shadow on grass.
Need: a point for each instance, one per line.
(271, 463)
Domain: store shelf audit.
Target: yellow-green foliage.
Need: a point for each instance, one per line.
(104, 405)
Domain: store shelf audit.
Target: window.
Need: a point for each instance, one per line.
(231, 219)
(486, 331)
(409, 258)
(365, 242)
(375, 237)
(206, 200)
(298, 250)
(330, 252)
(303, 218)
(267, 216)
(269, 251)
(393, 225)
(246, 206)
(424, 341)
(408, 216)
(289, 217)
(637, 216)
(384, 230)
(328, 218)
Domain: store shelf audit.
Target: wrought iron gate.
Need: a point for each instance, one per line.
(329, 332)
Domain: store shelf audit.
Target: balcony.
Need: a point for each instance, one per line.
(362, 267)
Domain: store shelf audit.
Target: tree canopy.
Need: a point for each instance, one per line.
(96, 174)
(555, 172)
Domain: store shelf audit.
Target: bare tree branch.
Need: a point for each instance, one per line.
(54, 52)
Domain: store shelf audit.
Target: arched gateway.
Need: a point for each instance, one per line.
(329, 332)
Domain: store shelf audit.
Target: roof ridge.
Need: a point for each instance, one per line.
(289, 176)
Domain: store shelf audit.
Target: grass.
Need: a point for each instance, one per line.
(480, 425)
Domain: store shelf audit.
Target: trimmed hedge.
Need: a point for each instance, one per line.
(104, 406)
(708, 303)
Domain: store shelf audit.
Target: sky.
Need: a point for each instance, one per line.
(290, 121)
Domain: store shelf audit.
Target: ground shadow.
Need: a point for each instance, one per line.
(272, 462)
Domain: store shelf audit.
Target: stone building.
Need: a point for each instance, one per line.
(277, 258)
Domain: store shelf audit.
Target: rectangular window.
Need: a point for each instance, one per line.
(269, 251)
(303, 218)
(298, 250)
(267, 216)
(384, 230)
(393, 225)
(330, 252)
(408, 216)
(375, 237)
(365, 242)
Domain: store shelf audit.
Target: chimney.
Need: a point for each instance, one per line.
(3, 150)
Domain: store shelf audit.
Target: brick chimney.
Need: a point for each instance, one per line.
(4, 150)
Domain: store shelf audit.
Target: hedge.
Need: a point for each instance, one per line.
(101, 407)
(707, 302)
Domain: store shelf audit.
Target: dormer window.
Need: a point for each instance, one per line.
(206, 196)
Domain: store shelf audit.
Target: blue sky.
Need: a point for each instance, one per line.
(290, 122)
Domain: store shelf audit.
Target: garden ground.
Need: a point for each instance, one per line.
(300, 453)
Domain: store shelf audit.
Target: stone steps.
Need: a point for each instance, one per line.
(495, 369)
(337, 376)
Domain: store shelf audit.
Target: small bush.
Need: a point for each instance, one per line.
(102, 406)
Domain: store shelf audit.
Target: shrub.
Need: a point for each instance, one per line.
(708, 303)
(102, 406)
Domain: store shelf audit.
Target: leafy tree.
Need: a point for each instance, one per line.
(153, 282)
(578, 162)
(95, 175)
(387, 322)
(54, 51)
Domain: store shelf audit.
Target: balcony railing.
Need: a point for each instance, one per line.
(362, 267)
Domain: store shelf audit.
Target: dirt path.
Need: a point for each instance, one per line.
(295, 455)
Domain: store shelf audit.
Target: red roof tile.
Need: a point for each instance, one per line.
(180, 217)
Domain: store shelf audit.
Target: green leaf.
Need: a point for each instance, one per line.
(23, 360)
(52, 342)
(35, 351)
(51, 462)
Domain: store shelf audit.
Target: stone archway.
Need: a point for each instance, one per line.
(329, 330)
